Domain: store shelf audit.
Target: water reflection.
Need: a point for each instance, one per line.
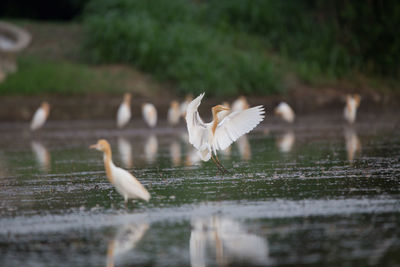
(151, 148)
(227, 152)
(192, 157)
(124, 241)
(42, 155)
(353, 144)
(286, 141)
(244, 147)
(221, 241)
(125, 152)
(175, 153)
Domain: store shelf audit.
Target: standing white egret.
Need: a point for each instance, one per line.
(350, 110)
(174, 113)
(124, 111)
(207, 138)
(240, 104)
(285, 111)
(125, 183)
(40, 116)
(149, 113)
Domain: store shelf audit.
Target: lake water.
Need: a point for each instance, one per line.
(314, 193)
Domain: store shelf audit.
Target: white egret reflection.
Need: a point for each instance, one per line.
(151, 148)
(192, 157)
(353, 144)
(244, 147)
(175, 153)
(125, 152)
(124, 241)
(42, 155)
(286, 141)
(223, 241)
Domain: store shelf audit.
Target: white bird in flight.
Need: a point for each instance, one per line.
(124, 111)
(285, 111)
(125, 183)
(207, 138)
(174, 113)
(350, 110)
(40, 116)
(149, 113)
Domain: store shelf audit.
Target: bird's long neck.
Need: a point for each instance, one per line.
(215, 121)
(107, 164)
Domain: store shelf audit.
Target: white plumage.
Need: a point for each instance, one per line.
(149, 114)
(218, 135)
(174, 113)
(350, 110)
(125, 183)
(285, 111)
(40, 116)
(184, 105)
(124, 111)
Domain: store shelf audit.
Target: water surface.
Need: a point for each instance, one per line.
(317, 192)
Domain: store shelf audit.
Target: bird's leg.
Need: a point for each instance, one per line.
(216, 163)
(220, 164)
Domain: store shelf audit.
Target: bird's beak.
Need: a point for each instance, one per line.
(225, 108)
(94, 146)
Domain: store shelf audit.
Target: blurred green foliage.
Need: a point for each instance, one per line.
(38, 76)
(166, 38)
(236, 46)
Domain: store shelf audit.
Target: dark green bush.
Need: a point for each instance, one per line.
(166, 38)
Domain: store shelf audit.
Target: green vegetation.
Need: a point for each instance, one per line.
(36, 76)
(166, 38)
(235, 46)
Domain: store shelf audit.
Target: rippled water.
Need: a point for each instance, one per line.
(314, 193)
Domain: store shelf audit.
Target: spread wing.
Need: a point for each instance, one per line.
(235, 125)
(195, 125)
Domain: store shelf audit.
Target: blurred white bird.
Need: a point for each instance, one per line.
(240, 104)
(125, 240)
(40, 116)
(125, 183)
(185, 104)
(124, 111)
(174, 113)
(207, 138)
(285, 112)
(149, 114)
(350, 110)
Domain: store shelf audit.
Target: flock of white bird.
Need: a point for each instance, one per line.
(227, 126)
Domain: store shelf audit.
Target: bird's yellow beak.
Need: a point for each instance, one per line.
(225, 108)
(93, 146)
